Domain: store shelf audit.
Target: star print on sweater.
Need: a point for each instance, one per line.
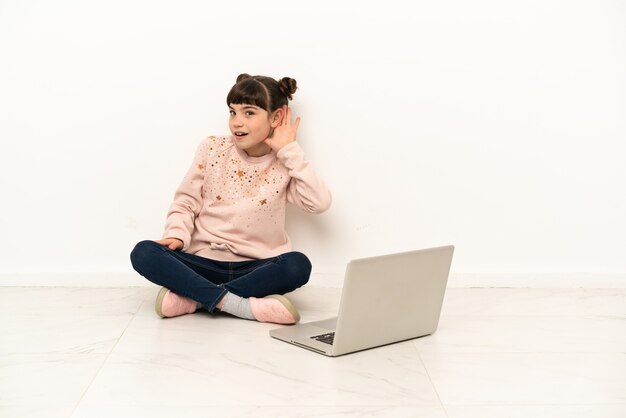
(231, 207)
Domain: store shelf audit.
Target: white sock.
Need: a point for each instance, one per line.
(238, 306)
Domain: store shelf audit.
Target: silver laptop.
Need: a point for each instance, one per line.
(385, 299)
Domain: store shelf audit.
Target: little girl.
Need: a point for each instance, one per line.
(225, 245)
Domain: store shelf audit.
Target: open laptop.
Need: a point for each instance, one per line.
(385, 299)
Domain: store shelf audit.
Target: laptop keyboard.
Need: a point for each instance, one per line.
(325, 338)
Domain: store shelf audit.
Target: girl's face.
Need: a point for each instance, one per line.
(255, 124)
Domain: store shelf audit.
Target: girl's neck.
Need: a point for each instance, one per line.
(258, 150)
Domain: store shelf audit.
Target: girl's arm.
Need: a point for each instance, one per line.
(306, 189)
(187, 200)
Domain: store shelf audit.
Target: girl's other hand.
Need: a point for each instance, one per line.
(284, 133)
(171, 243)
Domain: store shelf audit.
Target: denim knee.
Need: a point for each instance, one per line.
(298, 268)
(142, 254)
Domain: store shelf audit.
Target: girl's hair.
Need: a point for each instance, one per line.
(262, 91)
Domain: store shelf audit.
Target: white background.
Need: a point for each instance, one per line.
(498, 127)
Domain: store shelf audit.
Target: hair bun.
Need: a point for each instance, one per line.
(242, 77)
(288, 86)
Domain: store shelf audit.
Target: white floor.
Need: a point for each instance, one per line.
(102, 352)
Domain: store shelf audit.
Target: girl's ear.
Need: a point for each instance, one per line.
(277, 117)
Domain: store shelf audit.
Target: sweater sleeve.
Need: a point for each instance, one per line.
(306, 189)
(187, 200)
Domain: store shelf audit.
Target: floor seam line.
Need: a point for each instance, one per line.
(105, 360)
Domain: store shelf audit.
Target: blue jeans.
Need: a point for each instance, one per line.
(207, 281)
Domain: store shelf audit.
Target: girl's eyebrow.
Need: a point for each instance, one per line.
(246, 107)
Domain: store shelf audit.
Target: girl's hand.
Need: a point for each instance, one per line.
(284, 133)
(171, 243)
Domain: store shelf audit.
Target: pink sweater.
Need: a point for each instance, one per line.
(231, 207)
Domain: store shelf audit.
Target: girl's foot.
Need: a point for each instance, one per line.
(274, 308)
(169, 304)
